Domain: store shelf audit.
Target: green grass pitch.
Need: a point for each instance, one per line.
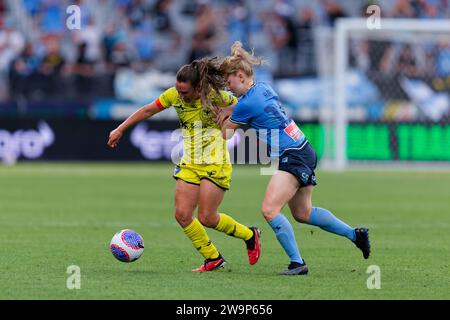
(56, 215)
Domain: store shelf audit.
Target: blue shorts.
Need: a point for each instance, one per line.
(301, 163)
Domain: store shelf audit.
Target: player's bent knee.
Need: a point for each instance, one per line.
(302, 214)
(209, 221)
(269, 212)
(183, 218)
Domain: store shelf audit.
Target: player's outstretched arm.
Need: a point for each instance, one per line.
(228, 129)
(143, 113)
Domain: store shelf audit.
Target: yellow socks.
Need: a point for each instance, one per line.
(197, 233)
(232, 228)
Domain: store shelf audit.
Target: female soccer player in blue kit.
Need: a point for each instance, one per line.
(293, 182)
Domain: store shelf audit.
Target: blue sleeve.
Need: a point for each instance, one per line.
(242, 113)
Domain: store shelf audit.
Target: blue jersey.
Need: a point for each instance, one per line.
(261, 109)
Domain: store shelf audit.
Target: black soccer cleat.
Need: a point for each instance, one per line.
(362, 241)
(295, 269)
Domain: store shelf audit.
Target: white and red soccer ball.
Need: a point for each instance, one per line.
(127, 245)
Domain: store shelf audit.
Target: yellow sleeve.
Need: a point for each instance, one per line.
(225, 99)
(167, 98)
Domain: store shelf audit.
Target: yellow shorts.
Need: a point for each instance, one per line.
(219, 174)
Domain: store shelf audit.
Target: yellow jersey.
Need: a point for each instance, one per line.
(202, 137)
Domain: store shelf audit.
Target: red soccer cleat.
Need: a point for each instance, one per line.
(254, 246)
(211, 265)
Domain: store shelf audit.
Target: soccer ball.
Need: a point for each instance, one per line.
(127, 245)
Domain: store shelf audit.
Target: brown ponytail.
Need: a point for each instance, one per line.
(205, 76)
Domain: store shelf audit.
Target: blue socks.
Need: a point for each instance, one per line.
(319, 217)
(285, 235)
(327, 221)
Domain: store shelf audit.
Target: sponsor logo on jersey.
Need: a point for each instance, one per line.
(293, 131)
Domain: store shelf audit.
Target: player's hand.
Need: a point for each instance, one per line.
(222, 115)
(215, 110)
(114, 137)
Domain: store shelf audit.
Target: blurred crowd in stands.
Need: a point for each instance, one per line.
(41, 58)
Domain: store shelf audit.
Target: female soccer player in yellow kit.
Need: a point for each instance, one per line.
(204, 172)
